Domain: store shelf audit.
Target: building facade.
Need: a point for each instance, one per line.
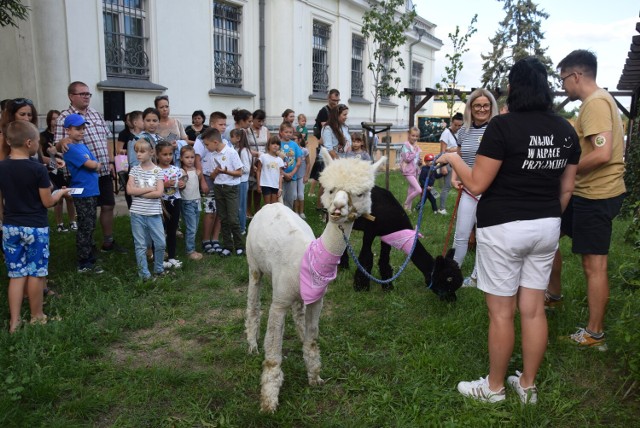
(208, 55)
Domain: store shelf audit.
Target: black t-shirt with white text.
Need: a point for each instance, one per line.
(534, 148)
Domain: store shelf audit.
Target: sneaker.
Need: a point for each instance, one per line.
(194, 255)
(479, 390)
(174, 263)
(302, 216)
(435, 212)
(225, 253)
(73, 226)
(61, 228)
(90, 269)
(527, 395)
(163, 274)
(583, 339)
(239, 252)
(470, 282)
(551, 301)
(442, 211)
(113, 247)
(179, 234)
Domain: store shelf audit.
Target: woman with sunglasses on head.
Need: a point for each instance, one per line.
(335, 133)
(481, 107)
(16, 109)
(169, 128)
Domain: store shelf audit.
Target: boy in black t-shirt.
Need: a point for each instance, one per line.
(25, 195)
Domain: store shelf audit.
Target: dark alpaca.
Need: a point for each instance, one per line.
(390, 217)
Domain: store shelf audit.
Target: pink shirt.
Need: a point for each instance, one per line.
(318, 268)
(402, 239)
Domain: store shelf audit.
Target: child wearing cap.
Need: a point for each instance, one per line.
(25, 195)
(83, 168)
(427, 179)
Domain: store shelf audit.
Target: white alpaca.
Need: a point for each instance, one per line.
(277, 243)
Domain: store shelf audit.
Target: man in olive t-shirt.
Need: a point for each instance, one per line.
(599, 189)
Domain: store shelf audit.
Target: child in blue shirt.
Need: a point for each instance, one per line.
(429, 181)
(83, 167)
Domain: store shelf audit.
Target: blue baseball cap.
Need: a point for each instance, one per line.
(74, 120)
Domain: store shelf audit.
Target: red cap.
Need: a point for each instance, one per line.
(428, 157)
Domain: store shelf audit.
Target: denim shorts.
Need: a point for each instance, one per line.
(26, 250)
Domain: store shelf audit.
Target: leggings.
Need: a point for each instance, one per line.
(464, 225)
(171, 217)
(413, 190)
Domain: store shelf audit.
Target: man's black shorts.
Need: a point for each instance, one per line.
(106, 197)
(588, 222)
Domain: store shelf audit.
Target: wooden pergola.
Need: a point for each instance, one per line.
(630, 78)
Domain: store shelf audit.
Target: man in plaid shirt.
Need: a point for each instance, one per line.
(95, 138)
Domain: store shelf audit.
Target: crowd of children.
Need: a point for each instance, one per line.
(164, 182)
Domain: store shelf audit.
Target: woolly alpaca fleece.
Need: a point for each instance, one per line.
(276, 241)
(353, 175)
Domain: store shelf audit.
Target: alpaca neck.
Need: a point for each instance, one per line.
(332, 237)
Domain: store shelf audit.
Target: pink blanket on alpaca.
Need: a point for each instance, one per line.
(318, 268)
(402, 239)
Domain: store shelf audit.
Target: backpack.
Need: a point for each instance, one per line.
(317, 128)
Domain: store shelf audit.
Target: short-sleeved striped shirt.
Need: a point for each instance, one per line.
(146, 178)
(96, 135)
(469, 141)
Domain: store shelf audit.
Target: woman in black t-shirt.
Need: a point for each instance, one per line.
(197, 126)
(525, 169)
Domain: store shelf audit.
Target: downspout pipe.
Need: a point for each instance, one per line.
(261, 49)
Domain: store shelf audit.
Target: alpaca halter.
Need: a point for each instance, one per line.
(413, 246)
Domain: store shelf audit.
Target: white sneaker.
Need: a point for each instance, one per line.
(172, 264)
(302, 216)
(479, 390)
(527, 395)
(470, 282)
(442, 211)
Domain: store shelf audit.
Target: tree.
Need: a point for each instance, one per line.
(518, 36)
(386, 27)
(12, 10)
(449, 83)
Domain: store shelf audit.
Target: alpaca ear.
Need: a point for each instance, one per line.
(326, 157)
(451, 253)
(380, 161)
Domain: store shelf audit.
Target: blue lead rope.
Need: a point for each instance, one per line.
(413, 247)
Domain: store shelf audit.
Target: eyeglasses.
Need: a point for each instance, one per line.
(22, 101)
(562, 79)
(84, 94)
(479, 107)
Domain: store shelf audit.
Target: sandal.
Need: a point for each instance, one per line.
(44, 319)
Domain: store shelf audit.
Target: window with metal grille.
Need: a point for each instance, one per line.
(226, 44)
(357, 59)
(320, 65)
(125, 43)
(416, 75)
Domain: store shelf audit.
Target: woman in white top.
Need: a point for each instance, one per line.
(258, 135)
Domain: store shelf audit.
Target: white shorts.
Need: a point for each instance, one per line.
(516, 254)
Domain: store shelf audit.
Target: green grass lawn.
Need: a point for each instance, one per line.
(173, 352)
